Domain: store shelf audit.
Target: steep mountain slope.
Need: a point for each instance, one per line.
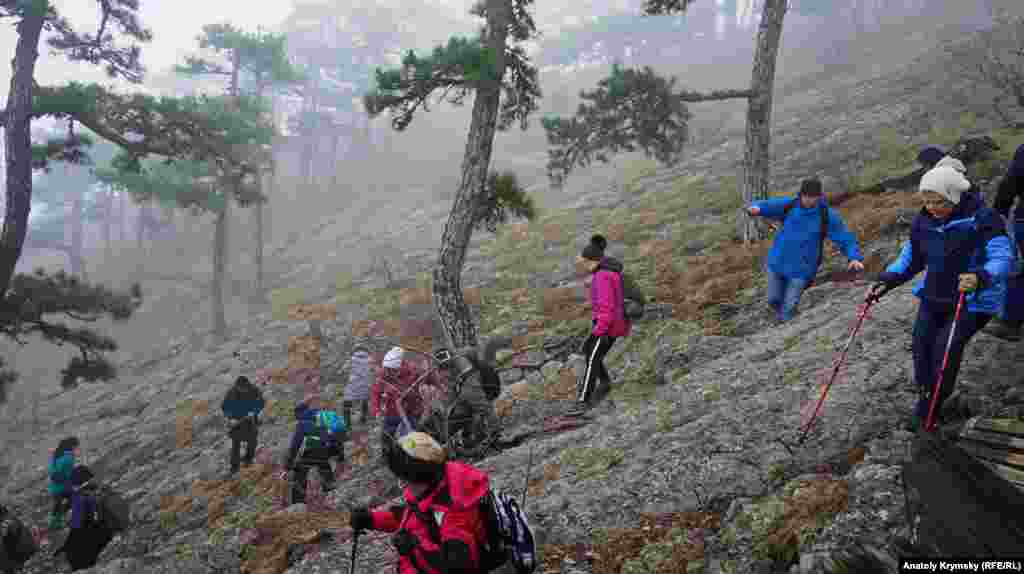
(706, 439)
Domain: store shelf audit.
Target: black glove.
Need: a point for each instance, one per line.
(361, 519)
(404, 542)
(877, 291)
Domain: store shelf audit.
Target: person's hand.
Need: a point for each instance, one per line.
(361, 519)
(856, 266)
(968, 282)
(754, 210)
(404, 542)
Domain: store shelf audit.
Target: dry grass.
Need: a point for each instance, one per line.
(185, 414)
(304, 352)
(811, 503)
(618, 546)
(563, 304)
(549, 473)
(312, 312)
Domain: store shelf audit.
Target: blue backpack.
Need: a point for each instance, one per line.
(325, 429)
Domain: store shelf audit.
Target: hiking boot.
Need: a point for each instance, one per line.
(1005, 331)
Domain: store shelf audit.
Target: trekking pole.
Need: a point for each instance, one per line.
(930, 423)
(835, 368)
(355, 547)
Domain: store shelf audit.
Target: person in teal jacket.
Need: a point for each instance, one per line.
(796, 253)
(62, 463)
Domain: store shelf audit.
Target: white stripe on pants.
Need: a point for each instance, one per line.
(595, 364)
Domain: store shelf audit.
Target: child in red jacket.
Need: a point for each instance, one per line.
(439, 527)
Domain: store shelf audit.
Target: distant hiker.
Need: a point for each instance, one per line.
(242, 406)
(1012, 189)
(89, 535)
(395, 384)
(962, 246)
(440, 528)
(315, 441)
(360, 379)
(797, 250)
(17, 544)
(608, 323)
(634, 297)
(62, 463)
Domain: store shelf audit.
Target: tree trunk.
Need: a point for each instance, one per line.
(140, 229)
(122, 213)
(77, 266)
(259, 246)
(449, 302)
(108, 221)
(220, 250)
(18, 146)
(757, 158)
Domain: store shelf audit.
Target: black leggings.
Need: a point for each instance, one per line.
(594, 350)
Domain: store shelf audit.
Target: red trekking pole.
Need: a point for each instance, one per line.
(835, 368)
(930, 424)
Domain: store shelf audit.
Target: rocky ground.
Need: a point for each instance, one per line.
(713, 431)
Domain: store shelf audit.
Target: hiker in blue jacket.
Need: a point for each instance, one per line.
(1011, 189)
(242, 406)
(962, 246)
(797, 251)
(62, 463)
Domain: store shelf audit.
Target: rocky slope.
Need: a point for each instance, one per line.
(714, 434)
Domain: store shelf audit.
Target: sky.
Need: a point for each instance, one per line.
(175, 25)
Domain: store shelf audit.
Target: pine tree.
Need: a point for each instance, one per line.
(255, 62)
(139, 124)
(495, 69)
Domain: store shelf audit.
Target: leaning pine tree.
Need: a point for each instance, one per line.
(138, 124)
(495, 69)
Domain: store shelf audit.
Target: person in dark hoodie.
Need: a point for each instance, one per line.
(16, 542)
(796, 252)
(88, 535)
(242, 406)
(62, 464)
(440, 526)
(1011, 189)
(309, 449)
(608, 322)
(962, 247)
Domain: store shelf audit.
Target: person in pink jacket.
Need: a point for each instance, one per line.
(609, 323)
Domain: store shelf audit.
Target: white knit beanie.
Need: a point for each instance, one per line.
(945, 181)
(393, 359)
(950, 161)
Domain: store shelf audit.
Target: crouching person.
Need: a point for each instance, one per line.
(315, 441)
(440, 525)
(18, 544)
(89, 536)
(962, 246)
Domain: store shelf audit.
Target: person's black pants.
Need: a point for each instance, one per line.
(594, 350)
(364, 407)
(931, 334)
(314, 458)
(246, 431)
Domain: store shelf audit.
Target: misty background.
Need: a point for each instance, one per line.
(350, 192)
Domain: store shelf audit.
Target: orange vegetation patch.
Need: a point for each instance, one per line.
(185, 416)
(563, 303)
(512, 395)
(550, 472)
(554, 232)
(649, 217)
(621, 545)
(812, 500)
(472, 296)
(419, 295)
(519, 231)
(283, 529)
(304, 352)
(309, 312)
(616, 232)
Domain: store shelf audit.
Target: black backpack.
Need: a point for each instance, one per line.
(823, 209)
(633, 298)
(113, 512)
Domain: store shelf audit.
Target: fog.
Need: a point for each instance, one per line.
(366, 178)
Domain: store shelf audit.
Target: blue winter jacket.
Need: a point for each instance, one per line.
(794, 253)
(972, 240)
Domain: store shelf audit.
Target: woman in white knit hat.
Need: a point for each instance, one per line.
(962, 247)
(395, 381)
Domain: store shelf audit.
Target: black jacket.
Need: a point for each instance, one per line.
(1012, 187)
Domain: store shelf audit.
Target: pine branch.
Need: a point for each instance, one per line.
(33, 298)
(99, 49)
(630, 109)
(665, 7)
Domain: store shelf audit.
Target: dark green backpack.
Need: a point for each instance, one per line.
(633, 298)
